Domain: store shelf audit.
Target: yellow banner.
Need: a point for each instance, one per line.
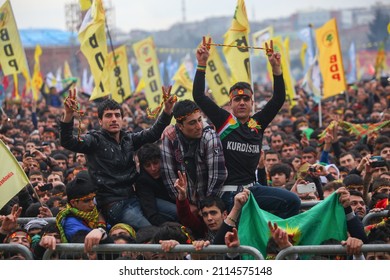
(119, 74)
(260, 37)
(85, 4)
(12, 176)
(37, 79)
(145, 53)
(93, 44)
(288, 79)
(330, 59)
(182, 87)
(12, 56)
(217, 77)
(237, 35)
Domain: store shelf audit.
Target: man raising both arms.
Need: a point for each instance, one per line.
(241, 135)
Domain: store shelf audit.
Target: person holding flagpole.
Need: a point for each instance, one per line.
(241, 134)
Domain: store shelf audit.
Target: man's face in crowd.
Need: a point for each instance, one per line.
(30, 145)
(85, 204)
(153, 168)
(62, 163)
(377, 171)
(213, 217)
(20, 237)
(289, 151)
(111, 121)
(48, 136)
(358, 205)
(268, 132)
(241, 107)
(348, 162)
(36, 178)
(279, 179)
(33, 165)
(80, 158)
(385, 153)
(270, 160)
(192, 126)
(309, 157)
(276, 142)
(53, 178)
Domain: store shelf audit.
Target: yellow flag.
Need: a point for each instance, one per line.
(85, 4)
(12, 176)
(288, 79)
(93, 44)
(303, 54)
(15, 94)
(119, 74)
(182, 87)
(12, 56)
(217, 77)
(286, 45)
(140, 86)
(145, 53)
(26, 75)
(260, 37)
(330, 59)
(237, 35)
(67, 71)
(37, 79)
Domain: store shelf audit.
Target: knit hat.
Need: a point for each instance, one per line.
(80, 186)
(35, 224)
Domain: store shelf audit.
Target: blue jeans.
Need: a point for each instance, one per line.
(279, 202)
(127, 211)
(167, 209)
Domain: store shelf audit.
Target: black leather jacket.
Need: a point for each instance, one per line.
(111, 165)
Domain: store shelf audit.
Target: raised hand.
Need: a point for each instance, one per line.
(169, 100)
(273, 58)
(181, 186)
(70, 105)
(202, 53)
(231, 239)
(279, 235)
(10, 221)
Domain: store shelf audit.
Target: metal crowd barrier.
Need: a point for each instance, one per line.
(78, 248)
(17, 248)
(328, 250)
(309, 204)
(370, 216)
(25, 220)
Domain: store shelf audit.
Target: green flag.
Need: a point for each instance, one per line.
(324, 221)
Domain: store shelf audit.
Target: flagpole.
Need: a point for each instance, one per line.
(320, 109)
(253, 83)
(112, 49)
(36, 194)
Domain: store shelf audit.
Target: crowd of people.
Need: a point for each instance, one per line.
(112, 175)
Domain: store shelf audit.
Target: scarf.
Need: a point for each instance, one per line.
(90, 218)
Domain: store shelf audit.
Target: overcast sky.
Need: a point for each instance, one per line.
(160, 14)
